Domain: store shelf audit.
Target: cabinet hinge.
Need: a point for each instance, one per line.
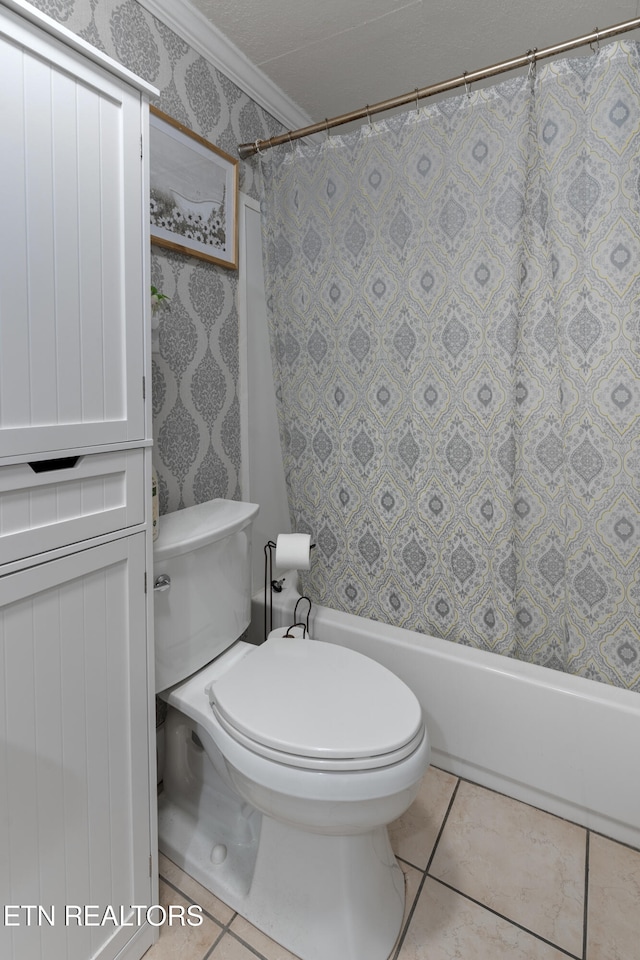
(141, 141)
(150, 865)
(145, 581)
(144, 388)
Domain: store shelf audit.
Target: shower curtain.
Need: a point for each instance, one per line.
(455, 327)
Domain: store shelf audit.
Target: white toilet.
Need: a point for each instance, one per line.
(284, 762)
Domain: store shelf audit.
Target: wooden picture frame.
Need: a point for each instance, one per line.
(194, 193)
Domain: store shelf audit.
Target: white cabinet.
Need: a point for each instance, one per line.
(74, 789)
(48, 503)
(71, 237)
(77, 754)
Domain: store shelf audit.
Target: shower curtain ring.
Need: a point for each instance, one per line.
(258, 150)
(532, 63)
(368, 115)
(417, 107)
(467, 85)
(326, 127)
(597, 33)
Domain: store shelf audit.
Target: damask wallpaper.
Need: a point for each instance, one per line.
(454, 303)
(196, 415)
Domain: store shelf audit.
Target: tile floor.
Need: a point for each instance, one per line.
(487, 878)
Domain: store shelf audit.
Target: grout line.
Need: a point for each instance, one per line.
(210, 916)
(404, 931)
(215, 943)
(621, 843)
(477, 902)
(407, 924)
(557, 816)
(501, 916)
(224, 927)
(442, 825)
(248, 946)
(414, 866)
(586, 894)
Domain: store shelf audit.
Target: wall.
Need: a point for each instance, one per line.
(196, 411)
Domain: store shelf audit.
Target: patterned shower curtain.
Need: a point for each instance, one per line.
(454, 307)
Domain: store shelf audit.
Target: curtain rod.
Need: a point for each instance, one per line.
(249, 149)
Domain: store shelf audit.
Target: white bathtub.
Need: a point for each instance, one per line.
(567, 745)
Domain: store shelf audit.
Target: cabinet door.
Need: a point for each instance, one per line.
(74, 771)
(71, 248)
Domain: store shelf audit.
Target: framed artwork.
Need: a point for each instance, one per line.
(194, 193)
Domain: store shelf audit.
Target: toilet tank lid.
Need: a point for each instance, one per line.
(193, 527)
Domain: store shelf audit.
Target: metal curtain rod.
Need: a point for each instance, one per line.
(248, 149)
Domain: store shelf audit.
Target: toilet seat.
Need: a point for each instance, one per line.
(317, 705)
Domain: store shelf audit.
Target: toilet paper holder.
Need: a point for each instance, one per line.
(304, 624)
(300, 623)
(271, 585)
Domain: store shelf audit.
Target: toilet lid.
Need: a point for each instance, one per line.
(307, 698)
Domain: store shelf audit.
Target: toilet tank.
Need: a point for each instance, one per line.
(205, 552)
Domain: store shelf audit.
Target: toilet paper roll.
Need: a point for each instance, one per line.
(293, 551)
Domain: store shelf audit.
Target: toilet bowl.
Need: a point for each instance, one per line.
(284, 763)
(315, 769)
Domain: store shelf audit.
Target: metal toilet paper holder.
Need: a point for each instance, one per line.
(271, 586)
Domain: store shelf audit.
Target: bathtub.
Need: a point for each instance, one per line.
(561, 743)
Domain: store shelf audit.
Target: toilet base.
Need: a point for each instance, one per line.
(336, 897)
(194, 844)
(320, 897)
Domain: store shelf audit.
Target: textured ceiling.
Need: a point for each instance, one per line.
(333, 56)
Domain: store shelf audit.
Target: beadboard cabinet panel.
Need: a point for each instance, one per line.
(74, 804)
(71, 238)
(78, 845)
(46, 504)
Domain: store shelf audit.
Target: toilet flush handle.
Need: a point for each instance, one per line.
(162, 582)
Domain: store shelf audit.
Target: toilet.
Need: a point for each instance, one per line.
(283, 762)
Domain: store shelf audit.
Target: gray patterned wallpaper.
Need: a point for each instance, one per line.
(196, 414)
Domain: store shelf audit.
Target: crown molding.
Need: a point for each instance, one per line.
(204, 37)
